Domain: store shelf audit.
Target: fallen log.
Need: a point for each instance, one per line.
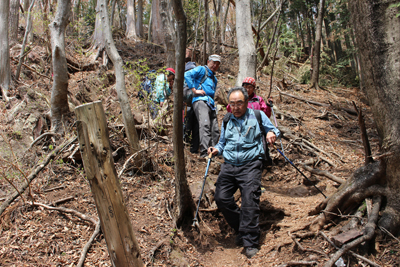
(330, 105)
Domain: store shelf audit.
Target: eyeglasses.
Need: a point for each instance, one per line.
(236, 104)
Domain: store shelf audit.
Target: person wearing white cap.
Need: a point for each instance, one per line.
(203, 101)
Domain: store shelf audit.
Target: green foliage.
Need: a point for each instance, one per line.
(396, 5)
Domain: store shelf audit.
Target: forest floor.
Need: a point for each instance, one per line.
(36, 236)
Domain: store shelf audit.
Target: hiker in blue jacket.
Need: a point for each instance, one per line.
(203, 101)
(162, 89)
(242, 148)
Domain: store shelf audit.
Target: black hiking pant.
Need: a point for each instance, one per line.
(246, 178)
(192, 130)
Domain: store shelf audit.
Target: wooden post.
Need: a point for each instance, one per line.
(99, 167)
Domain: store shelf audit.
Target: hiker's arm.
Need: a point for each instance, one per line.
(271, 137)
(198, 92)
(269, 128)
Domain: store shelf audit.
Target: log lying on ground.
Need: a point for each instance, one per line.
(330, 105)
(324, 173)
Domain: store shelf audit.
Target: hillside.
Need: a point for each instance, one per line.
(326, 138)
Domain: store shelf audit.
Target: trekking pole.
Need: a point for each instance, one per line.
(195, 221)
(299, 171)
(276, 123)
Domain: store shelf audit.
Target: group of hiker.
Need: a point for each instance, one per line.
(240, 143)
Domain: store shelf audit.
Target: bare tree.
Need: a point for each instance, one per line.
(247, 50)
(168, 30)
(59, 91)
(378, 46)
(130, 21)
(205, 32)
(139, 18)
(120, 78)
(317, 45)
(5, 70)
(157, 35)
(26, 36)
(13, 21)
(98, 41)
(184, 203)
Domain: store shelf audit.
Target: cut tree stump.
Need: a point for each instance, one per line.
(99, 167)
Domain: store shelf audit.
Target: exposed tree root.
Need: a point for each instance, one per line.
(369, 232)
(351, 252)
(362, 184)
(88, 244)
(298, 263)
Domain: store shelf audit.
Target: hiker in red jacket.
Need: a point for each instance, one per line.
(255, 101)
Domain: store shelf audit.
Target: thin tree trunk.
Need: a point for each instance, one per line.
(184, 204)
(205, 32)
(149, 37)
(21, 58)
(139, 18)
(195, 38)
(317, 46)
(5, 69)
(265, 59)
(112, 12)
(59, 91)
(120, 79)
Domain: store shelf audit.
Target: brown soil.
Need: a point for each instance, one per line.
(32, 236)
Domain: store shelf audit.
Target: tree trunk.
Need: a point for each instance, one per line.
(27, 28)
(158, 36)
(94, 143)
(205, 32)
(13, 21)
(184, 204)
(169, 33)
(139, 17)
(59, 91)
(247, 51)
(98, 38)
(317, 46)
(5, 70)
(112, 12)
(130, 21)
(378, 43)
(120, 78)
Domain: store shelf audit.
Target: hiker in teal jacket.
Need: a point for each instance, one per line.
(203, 101)
(242, 147)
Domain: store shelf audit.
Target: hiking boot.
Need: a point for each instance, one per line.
(250, 252)
(239, 240)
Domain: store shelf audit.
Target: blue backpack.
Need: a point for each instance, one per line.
(146, 86)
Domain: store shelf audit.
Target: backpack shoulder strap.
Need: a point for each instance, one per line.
(205, 75)
(257, 113)
(226, 118)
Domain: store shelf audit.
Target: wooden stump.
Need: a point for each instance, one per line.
(99, 167)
